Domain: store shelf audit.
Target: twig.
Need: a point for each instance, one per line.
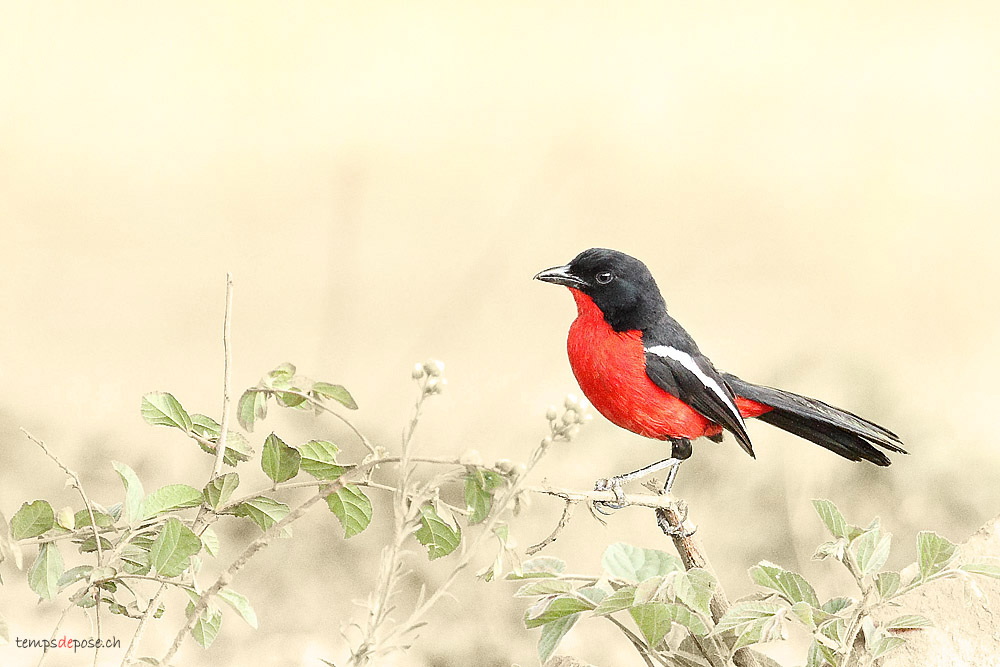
(141, 628)
(78, 485)
(563, 520)
(220, 447)
(693, 555)
(55, 631)
(636, 642)
(572, 495)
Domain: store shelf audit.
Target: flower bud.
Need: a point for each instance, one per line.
(546, 441)
(418, 372)
(570, 402)
(551, 413)
(569, 416)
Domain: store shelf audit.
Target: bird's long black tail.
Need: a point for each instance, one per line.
(840, 431)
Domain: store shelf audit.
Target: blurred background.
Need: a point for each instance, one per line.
(814, 185)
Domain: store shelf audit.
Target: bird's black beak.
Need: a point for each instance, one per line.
(560, 275)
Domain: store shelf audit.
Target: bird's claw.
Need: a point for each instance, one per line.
(613, 484)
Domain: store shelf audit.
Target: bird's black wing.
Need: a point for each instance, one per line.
(682, 371)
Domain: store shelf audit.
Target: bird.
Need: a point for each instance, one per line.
(641, 370)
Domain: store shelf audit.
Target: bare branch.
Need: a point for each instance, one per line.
(220, 447)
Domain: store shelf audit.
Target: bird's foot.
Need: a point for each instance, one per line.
(675, 529)
(613, 484)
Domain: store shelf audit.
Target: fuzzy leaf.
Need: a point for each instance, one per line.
(352, 508)
(544, 587)
(793, 587)
(552, 634)
(986, 569)
(695, 589)
(539, 567)
(741, 616)
(831, 516)
(555, 609)
(873, 551)
(887, 583)
(207, 627)
(625, 561)
(653, 620)
(934, 553)
(621, 599)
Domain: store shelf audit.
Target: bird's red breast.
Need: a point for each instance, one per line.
(610, 367)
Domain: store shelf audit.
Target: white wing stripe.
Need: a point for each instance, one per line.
(689, 363)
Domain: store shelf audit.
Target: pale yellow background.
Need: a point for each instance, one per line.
(813, 184)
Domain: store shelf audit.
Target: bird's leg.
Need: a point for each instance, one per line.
(680, 450)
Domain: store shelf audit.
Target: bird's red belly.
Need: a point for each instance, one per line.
(610, 367)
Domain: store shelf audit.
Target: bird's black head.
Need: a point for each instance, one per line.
(620, 285)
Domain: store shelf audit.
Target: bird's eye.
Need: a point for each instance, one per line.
(604, 277)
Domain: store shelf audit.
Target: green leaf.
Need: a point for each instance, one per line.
(207, 627)
(649, 590)
(480, 486)
(621, 599)
(82, 519)
(741, 616)
(909, 622)
(43, 576)
(161, 409)
(695, 589)
(625, 561)
(793, 587)
(759, 631)
(933, 552)
(238, 448)
(986, 569)
(319, 459)
(434, 533)
(279, 461)
(218, 492)
(241, 604)
(552, 609)
(887, 583)
(552, 634)
(352, 508)
(836, 605)
(687, 618)
(653, 620)
(539, 567)
(543, 587)
(820, 655)
(168, 498)
(252, 406)
(336, 392)
(282, 373)
(133, 491)
(263, 511)
(32, 520)
(831, 516)
(210, 541)
(884, 645)
(172, 549)
(73, 575)
(135, 559)
(873, 551)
